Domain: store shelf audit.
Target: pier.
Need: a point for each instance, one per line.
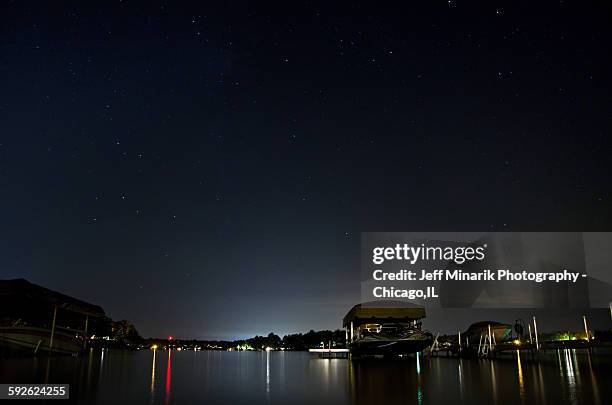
(331, 353)
(489, 347)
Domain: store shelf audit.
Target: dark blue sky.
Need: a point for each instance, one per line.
(207, 170)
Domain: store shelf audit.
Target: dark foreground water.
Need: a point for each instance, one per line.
(215, 377)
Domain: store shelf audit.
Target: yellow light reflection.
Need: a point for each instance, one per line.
(520, 376)
(153, 376)
(493, 381)
(541, 385)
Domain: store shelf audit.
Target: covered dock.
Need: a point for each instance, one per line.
(380, 312)
(35, 319)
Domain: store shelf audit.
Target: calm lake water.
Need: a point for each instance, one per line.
(215, 377)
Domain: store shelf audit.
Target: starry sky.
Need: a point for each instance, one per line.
(206, 170)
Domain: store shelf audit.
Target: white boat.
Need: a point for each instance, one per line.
(36, 320)
(33, 340)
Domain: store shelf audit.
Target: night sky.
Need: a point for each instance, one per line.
(206, 171)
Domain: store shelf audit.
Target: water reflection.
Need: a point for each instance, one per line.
(419, 387)
(89, 366)
(493, 381)
(593, 379)
(117, 377)
(460, 363)
(520, 376)
(576, 369)
(168, 376)
(268, 374)
(152, 389)
(101, 364)
(541, 386)
(569, 374)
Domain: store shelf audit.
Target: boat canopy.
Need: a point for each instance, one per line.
(20, 296)
(383, 312)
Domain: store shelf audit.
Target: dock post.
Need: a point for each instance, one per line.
(459, 343)
(85, 332)
(530, 338)
(52, 328)
(535, 331)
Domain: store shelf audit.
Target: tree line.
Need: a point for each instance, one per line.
(295, 341)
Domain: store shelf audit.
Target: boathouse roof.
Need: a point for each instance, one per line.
(383, 312)
(19, 296)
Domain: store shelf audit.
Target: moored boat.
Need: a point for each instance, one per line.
(500, 332)
(386, 328)
(33, 340)
(35, 320)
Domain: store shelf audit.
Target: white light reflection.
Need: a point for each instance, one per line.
(89, 366)
(460, 379)
(570, 376)
(101, 365)
(268, 374)
(419, 388)
(576, 368)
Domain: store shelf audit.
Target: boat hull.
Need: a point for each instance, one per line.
(31, 340)
(389, 347)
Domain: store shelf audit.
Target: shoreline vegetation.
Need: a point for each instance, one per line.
(336, 340)
(292, 342)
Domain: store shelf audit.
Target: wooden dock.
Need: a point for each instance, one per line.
(331, 353)
(501, 349)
